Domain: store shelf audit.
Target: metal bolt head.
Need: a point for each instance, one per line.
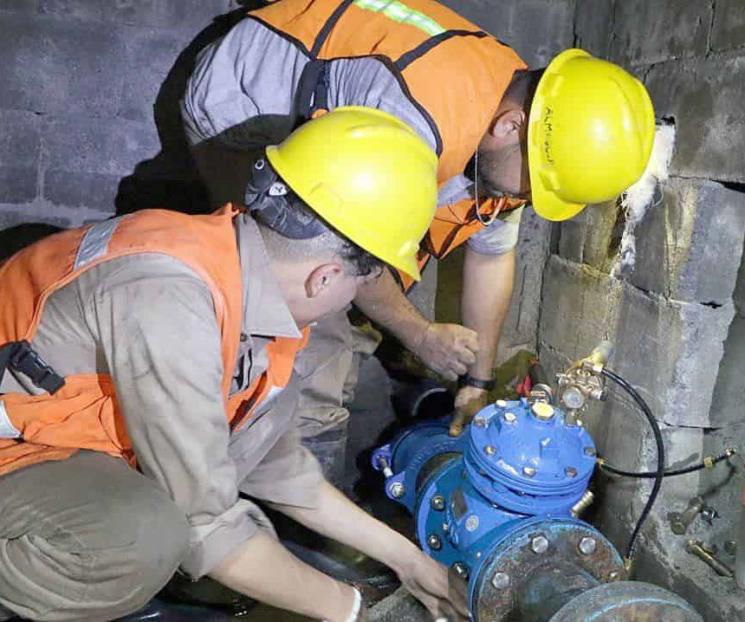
(437, 503)
(501, 403)
(529, 471)
(590, 452)
(500, 581)
(397, 490)
(479, 422)
(461, 570)
(434, 542)
(509, 417)
(472, 523)
(587, 546)
(490, 450)
(570, 471)
(614, 576)
(539, 545)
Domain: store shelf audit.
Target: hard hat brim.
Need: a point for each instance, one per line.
(545, 202)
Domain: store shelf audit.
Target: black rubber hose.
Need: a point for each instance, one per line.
(659, 473)
(672, 472)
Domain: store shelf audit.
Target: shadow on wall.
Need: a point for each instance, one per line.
(170, 179)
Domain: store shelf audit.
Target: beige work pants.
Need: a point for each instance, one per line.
(87, 538)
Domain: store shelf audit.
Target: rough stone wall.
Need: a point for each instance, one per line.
(89, 122)
(677, 321)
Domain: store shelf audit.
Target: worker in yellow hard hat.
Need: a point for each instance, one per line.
(578, 132)
(149, 394)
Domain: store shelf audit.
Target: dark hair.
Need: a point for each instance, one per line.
(521, 89)
(360, 261)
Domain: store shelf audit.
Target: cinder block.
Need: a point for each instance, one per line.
(521, 325)
(19, 6)
(729, 392)
(649, 32)
(689, 247)
(90, 190)
(151, 56)
(593, 20)
(57, 66)
(111, 146)
(669, 350)
(536, 29)
(705, 98)
(19, 139)
(17, 185)
(155, 13)
(729, 25)
(592, 237)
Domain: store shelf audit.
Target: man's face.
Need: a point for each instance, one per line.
(502, 158)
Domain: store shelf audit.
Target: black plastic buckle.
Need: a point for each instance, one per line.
(24, 359)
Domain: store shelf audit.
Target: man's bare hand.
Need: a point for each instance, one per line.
(468, 402)
(448, 349)
(442, 592)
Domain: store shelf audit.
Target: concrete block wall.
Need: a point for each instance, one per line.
(677, 321)
(89, 121)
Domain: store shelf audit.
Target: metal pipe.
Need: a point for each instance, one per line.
(550, 588)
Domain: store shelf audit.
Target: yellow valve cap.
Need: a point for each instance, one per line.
(543, 411)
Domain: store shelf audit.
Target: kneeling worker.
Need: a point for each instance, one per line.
(147, 383)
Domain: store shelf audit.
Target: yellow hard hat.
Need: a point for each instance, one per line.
(590, 134)
(367, 174)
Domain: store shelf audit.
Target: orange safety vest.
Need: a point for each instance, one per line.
(452, 71)
(84, 413)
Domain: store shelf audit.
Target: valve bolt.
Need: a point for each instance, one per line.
(509, 417)
(461, 570)
(570, 472)
(539, 545)
(472, 523)
(590, 451)
(500, 581)
(529, 471)
(490, 450)
(437, 503)
(397, 490)
(501, 403)
(614, 576)
(479, 422)
(434, 542)
(587, 546)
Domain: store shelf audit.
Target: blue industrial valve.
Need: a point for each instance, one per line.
(498, 505)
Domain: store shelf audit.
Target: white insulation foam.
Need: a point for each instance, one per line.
(637, 200)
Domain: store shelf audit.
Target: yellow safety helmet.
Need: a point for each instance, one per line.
(367, 174)
(590, 134)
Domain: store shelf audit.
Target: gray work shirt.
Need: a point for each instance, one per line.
(242, 94)
(148, 320)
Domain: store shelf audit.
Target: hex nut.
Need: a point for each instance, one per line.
(587, 546)
(539, 544)
(500, 581)
(397, 490)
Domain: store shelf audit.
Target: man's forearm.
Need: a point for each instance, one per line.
(265, 570)
(338, 518)
(385, 304)
(487, 290)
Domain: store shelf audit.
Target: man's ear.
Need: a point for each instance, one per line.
(508, 124)
(322, 278)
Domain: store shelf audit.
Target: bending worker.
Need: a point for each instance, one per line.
(579, 132)
(147, 363)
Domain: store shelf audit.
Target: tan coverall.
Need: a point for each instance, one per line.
(89, 538)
